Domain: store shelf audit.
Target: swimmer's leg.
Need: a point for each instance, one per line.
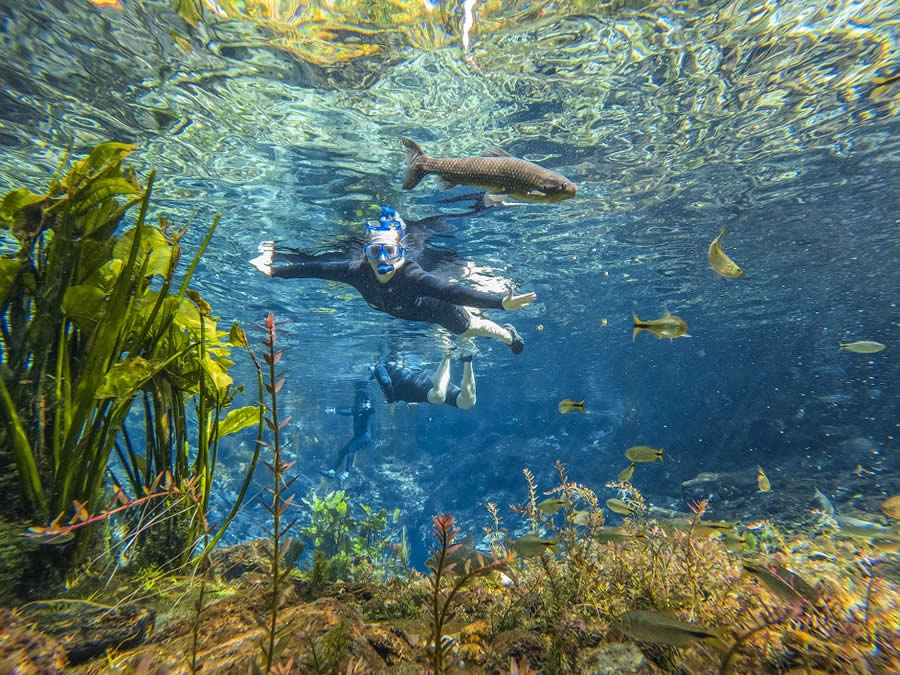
(345, 452)
(438, 391)
(486, 328)
(466, 398)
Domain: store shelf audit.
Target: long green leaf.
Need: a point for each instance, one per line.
(190, 272)
(27, 467)
(100, 357)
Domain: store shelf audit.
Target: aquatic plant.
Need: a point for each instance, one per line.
(827, 618)
(364, 548)
(277, 636)
(92, 324)
(443, 567)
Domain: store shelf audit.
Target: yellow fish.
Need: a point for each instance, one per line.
(762, 481)
(666, 630)
(626, 474)
(668, 326)
(533, 545)
(613, 535)
(862, 346)
(567, 405)
(551, 506)
(722, 263)
(644, 453)
(620, 507)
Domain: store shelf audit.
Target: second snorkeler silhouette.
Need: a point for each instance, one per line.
(415, 385)
(391, 283)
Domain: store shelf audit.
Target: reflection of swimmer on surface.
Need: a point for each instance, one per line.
(361, 412)
(390, 283)
(415, 385)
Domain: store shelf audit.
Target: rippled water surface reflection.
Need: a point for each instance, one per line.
(778, 119)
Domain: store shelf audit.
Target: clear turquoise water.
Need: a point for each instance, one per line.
(674, 118)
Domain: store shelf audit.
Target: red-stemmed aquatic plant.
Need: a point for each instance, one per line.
(277, 637)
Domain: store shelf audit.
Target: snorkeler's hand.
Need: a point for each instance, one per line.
(264, 261)
(511, 301)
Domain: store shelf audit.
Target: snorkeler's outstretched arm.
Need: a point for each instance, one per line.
(458, 294)
(274, 264)
(330, 271)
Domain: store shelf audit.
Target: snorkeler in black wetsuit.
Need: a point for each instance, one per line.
(390, 283)
(414, 385)
(362, 412)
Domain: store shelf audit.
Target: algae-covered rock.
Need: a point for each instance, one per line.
(86, 630)
(24, 650)
(614, 659)
(233, 562)
(389, 646)
(516, 644)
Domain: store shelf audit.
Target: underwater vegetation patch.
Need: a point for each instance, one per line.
(100, 348)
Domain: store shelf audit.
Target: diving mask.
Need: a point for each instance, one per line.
(381, 251)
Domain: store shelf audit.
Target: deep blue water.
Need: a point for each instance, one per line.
(698, 122)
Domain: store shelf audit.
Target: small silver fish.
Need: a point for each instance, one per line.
(862, 346)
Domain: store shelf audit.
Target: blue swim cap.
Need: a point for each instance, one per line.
(388, 220)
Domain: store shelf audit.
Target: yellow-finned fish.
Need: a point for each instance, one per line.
(495, 171)
(626, 474)
(567, 405)
(531, 545)
(613, 535)
(665, 630)
(667, 326)
(551, 506)
(722, 263)
(620, 507)
(783, 583)
(762, 481)
(736, 543)
(862, 346)
(644, 453)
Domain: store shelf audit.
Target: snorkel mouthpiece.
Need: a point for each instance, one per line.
(385, 268)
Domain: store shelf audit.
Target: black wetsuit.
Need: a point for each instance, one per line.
(362, 412)
(408, 384)
(412, 293)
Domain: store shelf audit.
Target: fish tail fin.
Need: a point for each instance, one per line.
(414, 173)
(580, 406)
(634, 333)
(660, 454)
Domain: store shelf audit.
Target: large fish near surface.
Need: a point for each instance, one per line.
(495, 170)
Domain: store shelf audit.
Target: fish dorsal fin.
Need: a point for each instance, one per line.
(494, 152)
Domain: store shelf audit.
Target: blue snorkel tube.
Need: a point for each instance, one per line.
(388, 220)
